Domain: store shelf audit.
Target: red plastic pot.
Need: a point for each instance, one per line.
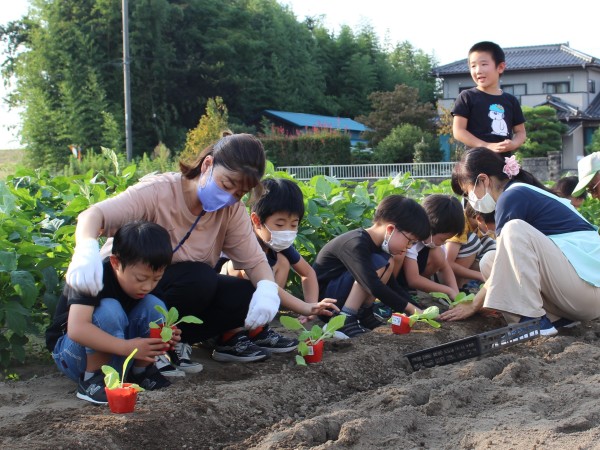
(315, 353)
(155, 333)
(121, 400)
(400, 324)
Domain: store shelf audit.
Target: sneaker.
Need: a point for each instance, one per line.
(92, 390)
(382, 312)
(546, 327)
(352, 327)
(164, 366)
(239, 349)
(565, 323)
(269, 339)
(181, 358)
(367, 318)
(150, 379)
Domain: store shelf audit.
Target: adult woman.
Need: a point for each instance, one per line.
(201, 210)
(547, 255)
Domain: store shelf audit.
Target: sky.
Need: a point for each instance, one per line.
(441, 28)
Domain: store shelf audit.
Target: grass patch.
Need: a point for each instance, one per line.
(9, 160)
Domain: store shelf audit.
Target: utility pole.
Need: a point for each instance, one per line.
(126, 82)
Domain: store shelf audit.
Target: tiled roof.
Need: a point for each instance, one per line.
(566, 111)
(594, 108)
(553, 56)
(312, 120)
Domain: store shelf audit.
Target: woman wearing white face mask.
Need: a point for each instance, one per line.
(200, 208)
(547, 255)
(275, 217)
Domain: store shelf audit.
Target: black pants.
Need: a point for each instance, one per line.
(194, 288)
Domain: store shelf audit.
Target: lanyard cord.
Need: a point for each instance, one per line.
(187, 235)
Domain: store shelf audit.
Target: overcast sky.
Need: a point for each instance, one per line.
(444, 29)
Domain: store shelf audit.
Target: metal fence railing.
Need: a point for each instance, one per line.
(371, 171)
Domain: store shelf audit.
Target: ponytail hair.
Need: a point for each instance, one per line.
(483, 160)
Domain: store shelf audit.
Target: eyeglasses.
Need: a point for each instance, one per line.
(593, 188)
(411, 242)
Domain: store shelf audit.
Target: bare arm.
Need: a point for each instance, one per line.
(262, 271)
(89, 224)
(460, 133)
(452, 249)
(308, 277)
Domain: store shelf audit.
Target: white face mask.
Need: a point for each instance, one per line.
(487, 204)
(385, 245)
(280, 240)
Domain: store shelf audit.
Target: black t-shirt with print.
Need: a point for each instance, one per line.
(491, 118)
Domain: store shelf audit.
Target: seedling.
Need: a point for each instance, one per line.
(313, 336)
(169, 320)
(426, 316)
(460, 298)
(111, 376)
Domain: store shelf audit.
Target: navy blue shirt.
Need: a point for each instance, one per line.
(290, 253)
(546, 214)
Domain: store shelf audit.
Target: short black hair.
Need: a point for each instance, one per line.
(405, 213)
(143, 242)
(445, 214)
(279, 195)
(491, 47)
(565, 187)
(486, 217)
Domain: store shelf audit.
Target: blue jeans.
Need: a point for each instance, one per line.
(109, 316)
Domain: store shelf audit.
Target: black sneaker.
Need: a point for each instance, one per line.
(367, 318)
(166, 368)
(352, 327)
(270, 340)
(565, 323)
(92, 390)
(382, 312)
(239, 349)
(150, 379)
(181, 358)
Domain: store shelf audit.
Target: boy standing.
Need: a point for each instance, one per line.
(485, 116)
(355, 267)
(90, 331)
(426, 258)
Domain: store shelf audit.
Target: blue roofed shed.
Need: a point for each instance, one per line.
(294, 122)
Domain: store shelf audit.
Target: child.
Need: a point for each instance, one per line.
(275, 218)
(89, 331)
(356, 267)
(426, 258)
(564, 188)
(465, 250)
(485, 116)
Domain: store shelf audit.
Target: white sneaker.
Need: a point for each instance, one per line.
(164, 366)
(181, 358)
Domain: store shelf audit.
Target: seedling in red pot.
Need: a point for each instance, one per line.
(169, 320)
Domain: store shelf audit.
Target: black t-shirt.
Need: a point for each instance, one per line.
(352, 252)
(491, 118)
(111, 289)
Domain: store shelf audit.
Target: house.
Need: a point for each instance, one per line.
(554, 75)
(293, 122)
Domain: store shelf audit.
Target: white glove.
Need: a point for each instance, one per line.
(85, 271)
(264, 304)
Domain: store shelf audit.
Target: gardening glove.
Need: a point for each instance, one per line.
(85, 271)
(263, 305)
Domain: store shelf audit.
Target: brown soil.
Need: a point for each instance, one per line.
(538, 394)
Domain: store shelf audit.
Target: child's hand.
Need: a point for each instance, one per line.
(304, 319)
(325, 307)
(148, 348)
(175, 337)
(412, 309)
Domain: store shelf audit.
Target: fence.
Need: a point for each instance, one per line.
(371, 171)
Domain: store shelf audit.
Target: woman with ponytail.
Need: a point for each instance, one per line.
(547, 254)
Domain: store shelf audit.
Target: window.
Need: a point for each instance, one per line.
(515, 89)
(591, 86)
(561, 87)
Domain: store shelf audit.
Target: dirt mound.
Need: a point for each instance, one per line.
(538, 394)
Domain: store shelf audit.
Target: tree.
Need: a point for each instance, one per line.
(406, 140)
(391, 109)
(544, 131)
(594, 146)
(209, 130)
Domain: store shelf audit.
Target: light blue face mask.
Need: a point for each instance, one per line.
(213, 197)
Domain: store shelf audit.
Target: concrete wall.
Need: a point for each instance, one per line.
(544, 169)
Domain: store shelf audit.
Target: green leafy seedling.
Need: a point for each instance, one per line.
(170, 319)
(111, 376)
(427, 316)
(312, 336)
(460, 298)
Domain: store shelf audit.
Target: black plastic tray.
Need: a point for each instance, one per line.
(473, 346)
